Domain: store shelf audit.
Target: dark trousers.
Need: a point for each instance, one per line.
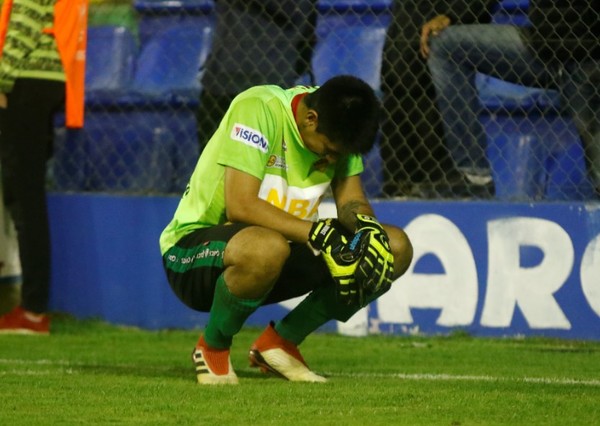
(26, 133)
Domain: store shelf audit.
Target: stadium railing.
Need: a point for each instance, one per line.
(141, 98)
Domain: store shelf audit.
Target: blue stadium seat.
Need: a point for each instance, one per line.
(111, 53)
(536, 157)
(535, 153)
(511, 12)
(128, 152)
(156, 16)
(144, 140)
(150, 145)
(512, 6)
(169, 66)
(342, 6)
(68, 167)
(110, 60)
(499, 95)
(173, 6)
(141, 151)
(350, 47)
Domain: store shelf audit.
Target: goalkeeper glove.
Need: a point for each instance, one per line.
(326, 237)
(326, 233)
(376, 267)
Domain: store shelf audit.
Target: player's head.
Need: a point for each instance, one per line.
(348, 113)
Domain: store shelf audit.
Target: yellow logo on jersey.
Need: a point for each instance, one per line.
(304, 209)
(277, 162)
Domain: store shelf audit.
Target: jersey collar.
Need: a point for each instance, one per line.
(295, 101)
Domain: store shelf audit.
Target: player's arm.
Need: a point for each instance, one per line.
(350, 200)
(242, 204)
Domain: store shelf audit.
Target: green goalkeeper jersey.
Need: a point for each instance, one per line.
(258, 136)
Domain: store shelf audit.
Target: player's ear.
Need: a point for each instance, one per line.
(312, 119)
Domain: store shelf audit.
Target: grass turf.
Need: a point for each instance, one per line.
(89, 372)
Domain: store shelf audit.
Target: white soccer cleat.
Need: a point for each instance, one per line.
(213, 366)
(274, 354)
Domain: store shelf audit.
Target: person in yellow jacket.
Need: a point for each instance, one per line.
(42, 64)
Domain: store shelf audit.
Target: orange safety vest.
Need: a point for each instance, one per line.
(4, 17)
(70, 33)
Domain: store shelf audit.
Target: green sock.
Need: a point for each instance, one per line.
(227, 315)
(315, 310)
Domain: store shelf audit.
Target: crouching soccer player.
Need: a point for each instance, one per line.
(246, 232)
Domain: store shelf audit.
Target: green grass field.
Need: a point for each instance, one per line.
(89, 372)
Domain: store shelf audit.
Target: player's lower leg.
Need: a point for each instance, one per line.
(227, 316)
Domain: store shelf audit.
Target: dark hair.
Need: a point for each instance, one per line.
(349, 113)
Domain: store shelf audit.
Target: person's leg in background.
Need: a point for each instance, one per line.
(26, 127)
(456, 56)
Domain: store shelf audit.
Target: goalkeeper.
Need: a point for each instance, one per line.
(246, 232)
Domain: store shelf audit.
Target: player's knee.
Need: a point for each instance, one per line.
(401, 249)
(272, 250)
(258, 253)
(444, 43)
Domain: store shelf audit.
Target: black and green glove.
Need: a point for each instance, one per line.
(376, 267)
(327, 238)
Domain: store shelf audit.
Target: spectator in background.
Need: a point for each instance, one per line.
(42, 63)
(255, 42)
(416, 161)
(560, 49)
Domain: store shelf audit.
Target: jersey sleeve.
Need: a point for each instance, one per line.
(350, 165)
(247, 135)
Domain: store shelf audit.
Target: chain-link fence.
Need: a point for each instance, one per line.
(484, 116)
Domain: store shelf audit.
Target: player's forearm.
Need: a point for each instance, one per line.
(262, 213)
(348, 211)
(350, 200)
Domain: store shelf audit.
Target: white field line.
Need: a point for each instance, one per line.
(469, 378)
(399, 376)
(33, 372)
(10, 361)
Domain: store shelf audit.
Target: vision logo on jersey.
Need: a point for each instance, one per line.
(249, 136)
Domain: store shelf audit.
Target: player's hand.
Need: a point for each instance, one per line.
(341, 257)
(376, 267)
(326, 233)
(432, 28)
